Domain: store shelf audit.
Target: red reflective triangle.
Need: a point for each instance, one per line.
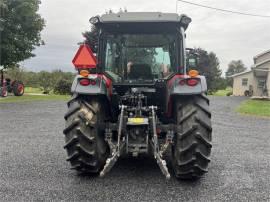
(84, 58)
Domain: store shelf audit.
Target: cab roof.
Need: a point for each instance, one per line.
(141, 18)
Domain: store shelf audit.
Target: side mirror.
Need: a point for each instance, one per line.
(192, 62)
(192, 58)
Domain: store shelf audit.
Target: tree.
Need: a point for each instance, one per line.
(91, 38)
(208, 65)
(20, 27)
(46, 81)
(16, 73)
(234, 67)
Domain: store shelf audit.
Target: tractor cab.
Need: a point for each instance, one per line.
(139, 58)
(141, 48)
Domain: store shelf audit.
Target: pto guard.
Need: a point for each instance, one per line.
(102, 85)
(177, 89)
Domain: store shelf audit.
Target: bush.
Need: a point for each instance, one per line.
(209, 92)
(62, 87)
(229, 93)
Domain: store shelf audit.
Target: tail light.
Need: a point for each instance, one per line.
(189, 82)
(182, 82)
(85, 82)
(93, 82)
(192, 82)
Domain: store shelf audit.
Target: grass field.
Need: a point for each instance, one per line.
(32, 90)
(31, 95)
(33, 98)
(255, 107)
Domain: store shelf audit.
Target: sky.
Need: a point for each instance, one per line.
(230, 36)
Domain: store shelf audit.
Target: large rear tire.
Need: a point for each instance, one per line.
(3, 91)
(18, 88)
(192, 148)
(84, 137)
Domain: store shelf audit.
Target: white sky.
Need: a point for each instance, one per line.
(230, 36)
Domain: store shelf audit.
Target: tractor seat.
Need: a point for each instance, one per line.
(140, 71)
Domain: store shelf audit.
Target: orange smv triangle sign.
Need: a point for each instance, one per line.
(84, 58)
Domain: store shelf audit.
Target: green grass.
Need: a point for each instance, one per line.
(32, 90)
(255, 107)
(33, 98)
(223, 92)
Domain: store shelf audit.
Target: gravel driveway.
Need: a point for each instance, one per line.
(33, 166)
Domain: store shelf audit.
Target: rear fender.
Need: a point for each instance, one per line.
(175, 88)
(101, 85)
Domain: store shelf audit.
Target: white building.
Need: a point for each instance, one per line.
(255, 82)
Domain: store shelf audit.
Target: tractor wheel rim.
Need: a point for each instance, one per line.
(4, 93)
(20, 88)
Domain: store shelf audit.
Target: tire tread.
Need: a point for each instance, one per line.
(193, 143)
(82, 141)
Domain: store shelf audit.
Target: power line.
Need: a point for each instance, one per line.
(225, 10)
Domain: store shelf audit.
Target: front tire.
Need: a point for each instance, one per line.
(85, 145)
(192, 147)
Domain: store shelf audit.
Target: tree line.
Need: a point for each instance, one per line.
(56, 81)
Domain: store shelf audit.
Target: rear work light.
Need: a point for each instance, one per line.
(192, 82)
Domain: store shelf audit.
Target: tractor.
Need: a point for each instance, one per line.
(8, 86)
(138, 94)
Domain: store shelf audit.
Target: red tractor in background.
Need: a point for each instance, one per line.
(8, 86)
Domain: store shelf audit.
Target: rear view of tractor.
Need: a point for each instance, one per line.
(138, 95)
(8, 86)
